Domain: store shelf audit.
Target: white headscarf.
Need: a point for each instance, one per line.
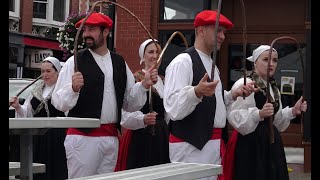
(256, 53)
(142, 49)
(54, 61)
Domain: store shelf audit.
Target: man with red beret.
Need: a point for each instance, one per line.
(196, 102)
(99, 89)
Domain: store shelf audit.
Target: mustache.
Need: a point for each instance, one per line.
(88, 37)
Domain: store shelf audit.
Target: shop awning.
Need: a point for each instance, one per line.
(47, 44)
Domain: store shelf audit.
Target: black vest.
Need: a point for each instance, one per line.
(196, 128)
(53, 112)
(157, 104)
(89, 103)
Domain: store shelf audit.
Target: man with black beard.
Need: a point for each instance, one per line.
(102, 86)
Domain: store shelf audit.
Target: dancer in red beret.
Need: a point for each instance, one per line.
(103, 85)
(195, 101)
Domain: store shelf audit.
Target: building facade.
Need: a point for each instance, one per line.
(33, 24)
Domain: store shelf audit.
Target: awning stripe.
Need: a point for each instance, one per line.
(41, 43)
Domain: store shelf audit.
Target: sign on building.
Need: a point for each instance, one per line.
(34, 57)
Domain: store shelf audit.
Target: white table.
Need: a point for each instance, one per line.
(14, 168)
(169, 171)
(27, 127)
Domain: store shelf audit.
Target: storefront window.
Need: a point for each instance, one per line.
(289, 70)
(12, 72)
(32, 73)
(13, 55)
(181, 10)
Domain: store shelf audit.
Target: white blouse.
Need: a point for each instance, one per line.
(26, 109)
(135, 120)
(243, 114)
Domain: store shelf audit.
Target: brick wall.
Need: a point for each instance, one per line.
(74, 6)
(129, 33)
(26, 10)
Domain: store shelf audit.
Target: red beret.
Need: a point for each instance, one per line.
(208, 17)
(97, 19)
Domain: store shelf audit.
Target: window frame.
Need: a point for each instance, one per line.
(49, 15)
(16, 13)
(206, 5)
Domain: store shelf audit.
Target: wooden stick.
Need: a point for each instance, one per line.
(215, 47)
(168, 42)
(244, 48)
(158, 64)
(21, 91)
(268, 79)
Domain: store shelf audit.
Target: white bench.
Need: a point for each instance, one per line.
(169, 171)
(14, 168)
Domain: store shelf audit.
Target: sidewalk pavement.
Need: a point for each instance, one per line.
(297, 172)
(295, 162)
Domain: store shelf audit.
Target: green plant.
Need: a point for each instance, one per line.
(67, 33)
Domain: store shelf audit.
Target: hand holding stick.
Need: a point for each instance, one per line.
(21, 91)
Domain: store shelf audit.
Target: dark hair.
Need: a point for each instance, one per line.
(54, 67)
(151, 42)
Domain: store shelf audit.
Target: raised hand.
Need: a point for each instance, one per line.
(244, 89)
(205, 88)
(150, 77)
(300, 106)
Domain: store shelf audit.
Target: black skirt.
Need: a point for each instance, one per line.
(146, 149)
(256, 158)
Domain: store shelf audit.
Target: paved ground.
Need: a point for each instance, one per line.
(295, 162)
(297, 172)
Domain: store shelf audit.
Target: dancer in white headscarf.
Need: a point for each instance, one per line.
(48, 148)
(250, 154)
(146, 140)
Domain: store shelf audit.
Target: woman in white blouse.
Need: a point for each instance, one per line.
(250, 152)
(48, 148)
(146, 139)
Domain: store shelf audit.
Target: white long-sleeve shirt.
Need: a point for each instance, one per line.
(64, 98)
(135, 120)
(244, 115)
(180, 99)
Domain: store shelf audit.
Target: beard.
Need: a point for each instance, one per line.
(94, 44)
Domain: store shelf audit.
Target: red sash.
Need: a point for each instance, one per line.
(103, 130)
(216, 134)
